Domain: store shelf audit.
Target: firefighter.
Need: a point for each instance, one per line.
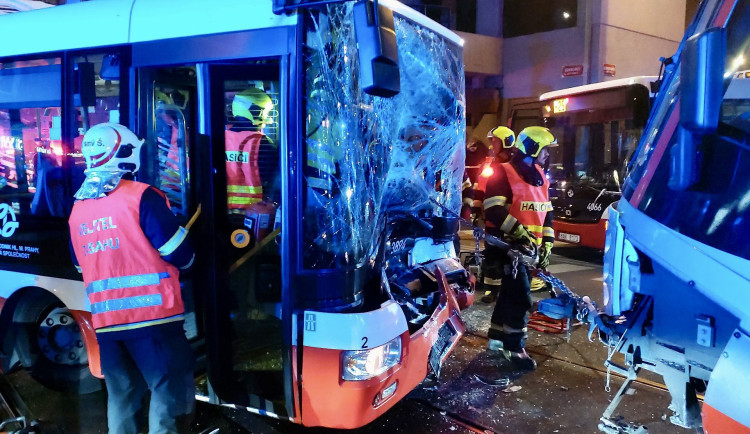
(250, 154)
(252, 162)
(502, 147)
(476, 154)
(518, 210)
(130, 249)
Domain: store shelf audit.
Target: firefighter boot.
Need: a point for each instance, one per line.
(521, 360)
(491, 291)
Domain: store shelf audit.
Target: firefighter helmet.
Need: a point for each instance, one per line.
(532, 140)
(505, 134)
(161, 97)
(111, 147)
(254, 105)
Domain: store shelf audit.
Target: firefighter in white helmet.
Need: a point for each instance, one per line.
(130, 249)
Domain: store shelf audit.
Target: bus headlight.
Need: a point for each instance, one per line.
(360, 365)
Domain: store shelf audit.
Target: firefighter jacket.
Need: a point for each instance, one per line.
(486, 170)
(127, 280)
(512, 201)
(243, 175)
(467, 196)
(321, 169)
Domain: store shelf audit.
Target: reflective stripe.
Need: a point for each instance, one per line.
(141, 324)
(321, 160)
(491, 281)
(508, 224)
(468, 201)
(126, 303)
(548, 232)
(495, 201)
(170, 246)
(244, 189)
(509, 330)
(535, 229)
(189, 264)
(126, 282)
(239, 200)
(319, 183)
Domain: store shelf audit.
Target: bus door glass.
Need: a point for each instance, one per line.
(245, 103)
(166, 97)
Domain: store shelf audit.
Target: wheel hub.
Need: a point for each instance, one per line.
(60, 339)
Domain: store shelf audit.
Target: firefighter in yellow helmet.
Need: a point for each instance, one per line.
(501, 150)
(518, 209)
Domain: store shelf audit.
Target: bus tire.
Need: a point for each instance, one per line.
(51, 347)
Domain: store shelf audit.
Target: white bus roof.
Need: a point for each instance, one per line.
(644, 80)
(112, 22)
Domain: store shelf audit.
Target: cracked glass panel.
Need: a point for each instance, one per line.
(367, 155)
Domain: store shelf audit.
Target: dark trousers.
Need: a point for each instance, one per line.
(156, 358)
(511, 314)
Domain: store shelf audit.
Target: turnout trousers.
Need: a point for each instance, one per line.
(511, 313)
(159, 360)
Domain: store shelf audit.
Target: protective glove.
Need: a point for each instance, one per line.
(544, 251)
(522, 235)
(476, 216)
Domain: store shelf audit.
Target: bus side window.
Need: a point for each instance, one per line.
(29, 146)
(105, 108)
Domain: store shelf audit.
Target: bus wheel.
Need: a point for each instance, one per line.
(53, 349)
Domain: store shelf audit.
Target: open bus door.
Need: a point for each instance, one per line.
(251, 364)
(230, 166)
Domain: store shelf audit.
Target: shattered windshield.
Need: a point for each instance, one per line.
(366, 154)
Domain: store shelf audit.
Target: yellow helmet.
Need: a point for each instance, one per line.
(162, 97)
(505, 134)
(532, 140)
(254, 105)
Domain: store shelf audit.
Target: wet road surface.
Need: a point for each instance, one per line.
(566, 394)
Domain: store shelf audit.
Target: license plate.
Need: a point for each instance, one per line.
(440, 347)
(569, 237)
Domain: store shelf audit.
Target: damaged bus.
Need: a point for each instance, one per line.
(314, 150)
(677, 256)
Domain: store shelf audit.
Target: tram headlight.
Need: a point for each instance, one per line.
(358, 365)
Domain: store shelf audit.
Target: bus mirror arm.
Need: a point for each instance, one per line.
(684, 161)
(701, 91)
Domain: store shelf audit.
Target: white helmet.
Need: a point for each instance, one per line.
(111, 151)
(111, 147)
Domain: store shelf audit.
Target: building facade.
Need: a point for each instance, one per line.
(515, 50)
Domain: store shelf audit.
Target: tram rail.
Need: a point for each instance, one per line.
(15, 417)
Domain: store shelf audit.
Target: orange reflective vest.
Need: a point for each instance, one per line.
(243, 177)
(127, 281)
(530, 203)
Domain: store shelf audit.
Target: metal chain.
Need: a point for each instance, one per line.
(582, 308)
